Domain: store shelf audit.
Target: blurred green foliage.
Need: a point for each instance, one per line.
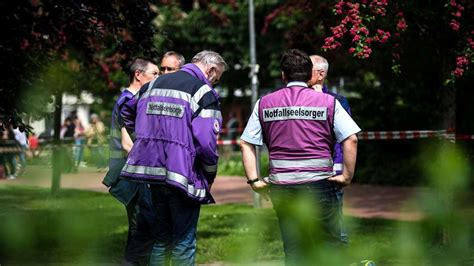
(230, 164)
(90, 228)
(74, 227)
(396, 162)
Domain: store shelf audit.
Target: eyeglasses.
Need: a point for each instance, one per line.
(165, 68)
(154, 73)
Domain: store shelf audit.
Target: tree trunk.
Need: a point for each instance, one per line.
(448, 122)
(57, 154)
(448, 104)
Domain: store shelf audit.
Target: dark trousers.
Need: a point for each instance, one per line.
(176, 224)
(141, 216)
(308, 218)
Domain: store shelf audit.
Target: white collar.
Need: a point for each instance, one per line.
(128, 89)
(297, 83)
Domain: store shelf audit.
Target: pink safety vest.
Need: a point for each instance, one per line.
(297, 125)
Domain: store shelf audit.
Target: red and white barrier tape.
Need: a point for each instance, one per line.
(379, 135)
(407, 134)
(228, 142)
(463, 136)
(388, 135)
(413, 134)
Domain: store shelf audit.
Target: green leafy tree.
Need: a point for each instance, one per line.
(66, 46)
(89, 40)
(394, 56)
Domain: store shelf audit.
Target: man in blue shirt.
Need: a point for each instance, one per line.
(135, 196)
(319, 74)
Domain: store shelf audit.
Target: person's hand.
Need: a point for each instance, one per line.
(261, 188)
(318, 88)
(340, 180)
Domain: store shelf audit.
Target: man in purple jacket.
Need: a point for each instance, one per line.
(300, 128)
(319, 74)
(175, 120)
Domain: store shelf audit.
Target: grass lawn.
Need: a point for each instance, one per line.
(89, 228)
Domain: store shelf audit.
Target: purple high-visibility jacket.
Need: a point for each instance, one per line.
(298, 126)
(338, 156)
(175, 120)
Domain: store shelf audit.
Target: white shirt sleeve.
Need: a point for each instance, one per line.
(344, 125)
(253, 131)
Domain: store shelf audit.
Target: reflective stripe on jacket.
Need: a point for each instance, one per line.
(175, 119)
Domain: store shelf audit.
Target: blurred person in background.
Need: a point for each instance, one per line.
(67, 136)
(135, 196)
(171, 62)
(67, 129)
(10, 149)
(22, 139)
(79, 142)
(33, 142)
(3, 153)
(95, 140)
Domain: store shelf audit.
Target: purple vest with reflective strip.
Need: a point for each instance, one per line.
(297, 125)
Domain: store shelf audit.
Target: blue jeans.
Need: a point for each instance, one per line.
(308, 217)
(175, 227)
(141, 216)
(22, 156)
(340, 201)
(78, 150)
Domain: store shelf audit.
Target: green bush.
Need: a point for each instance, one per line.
(232, 165)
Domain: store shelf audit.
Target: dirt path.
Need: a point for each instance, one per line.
(368, 201)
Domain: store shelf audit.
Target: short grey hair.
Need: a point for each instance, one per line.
(139, 64)
(177, 55)
(209, 58)
(320, 63)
